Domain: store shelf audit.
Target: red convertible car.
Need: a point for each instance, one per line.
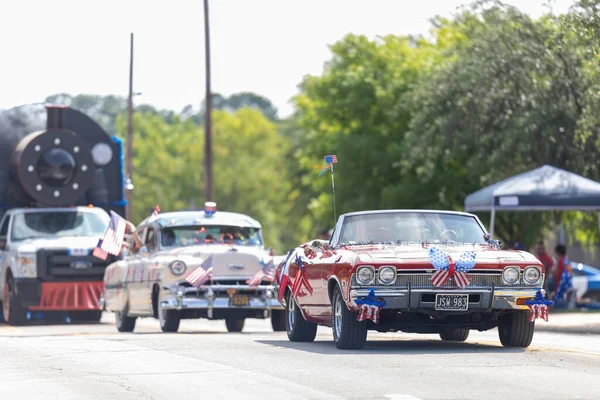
(420, 271)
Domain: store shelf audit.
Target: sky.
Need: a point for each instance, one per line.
(262, 46)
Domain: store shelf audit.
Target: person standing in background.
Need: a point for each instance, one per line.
(563, 277)
(546, 259)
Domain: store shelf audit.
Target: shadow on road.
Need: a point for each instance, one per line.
(394, 347)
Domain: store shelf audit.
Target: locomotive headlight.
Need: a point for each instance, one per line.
(510, 275)
(532, 275)
(102, 154)
(387, 275)
(177, 267)
(365, 275)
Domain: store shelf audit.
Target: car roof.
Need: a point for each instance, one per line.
(421, 211)
(96, 210)
(175, 218)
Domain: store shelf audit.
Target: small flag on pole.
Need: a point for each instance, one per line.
(200, 275)
(112, 242)
(331, 159)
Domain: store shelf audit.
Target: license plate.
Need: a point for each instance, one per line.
(239, 300)
(452, 302)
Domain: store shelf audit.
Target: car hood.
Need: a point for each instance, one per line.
(74, 242)
(419, 255)
(227, 261)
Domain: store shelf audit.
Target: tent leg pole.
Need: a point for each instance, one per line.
(493, 220)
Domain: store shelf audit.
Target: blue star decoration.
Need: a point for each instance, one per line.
(370, 300)
(539, 299)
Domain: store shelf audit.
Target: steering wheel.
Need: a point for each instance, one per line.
(379, 235)
(449, 231)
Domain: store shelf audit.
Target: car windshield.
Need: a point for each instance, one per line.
(176, 236)
(411, 227)
(56, 224)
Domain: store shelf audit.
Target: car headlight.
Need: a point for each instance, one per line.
(365, 275)
(387, 275)
(177, 267)
(532, 275)
(510, 275)
(27, 265)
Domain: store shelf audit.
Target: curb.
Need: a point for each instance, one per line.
(585, 329)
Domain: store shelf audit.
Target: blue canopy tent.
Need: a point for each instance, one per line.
(545, 188)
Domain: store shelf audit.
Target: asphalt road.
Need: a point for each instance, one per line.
(204, 362)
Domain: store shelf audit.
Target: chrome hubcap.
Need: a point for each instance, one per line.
(162, 313)
(337, 316)
(291, 313)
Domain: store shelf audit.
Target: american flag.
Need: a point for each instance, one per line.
(112, 242)
(301, 280)
(200, 275)
(332, 159)
(267, 272)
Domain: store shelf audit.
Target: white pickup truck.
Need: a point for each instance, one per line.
(46, 262)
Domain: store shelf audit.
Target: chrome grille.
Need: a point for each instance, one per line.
(423, 281)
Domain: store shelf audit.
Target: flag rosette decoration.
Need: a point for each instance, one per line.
(446, 268)
(538, 307)
(369, 307)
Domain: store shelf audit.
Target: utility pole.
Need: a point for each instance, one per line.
(208, 175)
(129, 152)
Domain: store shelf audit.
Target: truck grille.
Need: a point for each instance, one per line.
(423, 281)
(58, 265)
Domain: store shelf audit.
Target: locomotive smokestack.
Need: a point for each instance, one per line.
(55, 117)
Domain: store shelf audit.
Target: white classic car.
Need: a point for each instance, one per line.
(194, 264)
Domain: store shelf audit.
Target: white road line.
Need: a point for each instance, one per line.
(401, 397)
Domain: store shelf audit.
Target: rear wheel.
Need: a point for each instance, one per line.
(515, 330)
(454, 334)
(348, 333)
(12, 311)
(298, 329)
(124, 323)
(234, 325)
(278, 321)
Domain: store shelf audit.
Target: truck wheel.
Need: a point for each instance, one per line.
(454, 334)
(12, 311)
(234, 325)
(515, 330)
(169, 319)
(124, 323)
(298, 329)
(86, 316)
(278, 321)
(348, 333)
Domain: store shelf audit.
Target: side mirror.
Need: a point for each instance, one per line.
(2, 243)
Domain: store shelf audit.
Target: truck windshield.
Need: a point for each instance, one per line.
(56, 224)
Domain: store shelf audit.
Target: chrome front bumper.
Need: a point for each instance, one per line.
(413, 299)
(217, 297)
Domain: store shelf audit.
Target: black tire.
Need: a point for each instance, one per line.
(348, 333)
(124, 322)
(86, 316)
(278, 321)
(234, 325)
(454, 334)
(298, 329)
(515, 330)
(12, 310)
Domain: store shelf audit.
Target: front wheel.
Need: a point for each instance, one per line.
(12, 311)
(348, 333)
(278, 321)
(169, 319)
(298, 329)
(515, 330)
